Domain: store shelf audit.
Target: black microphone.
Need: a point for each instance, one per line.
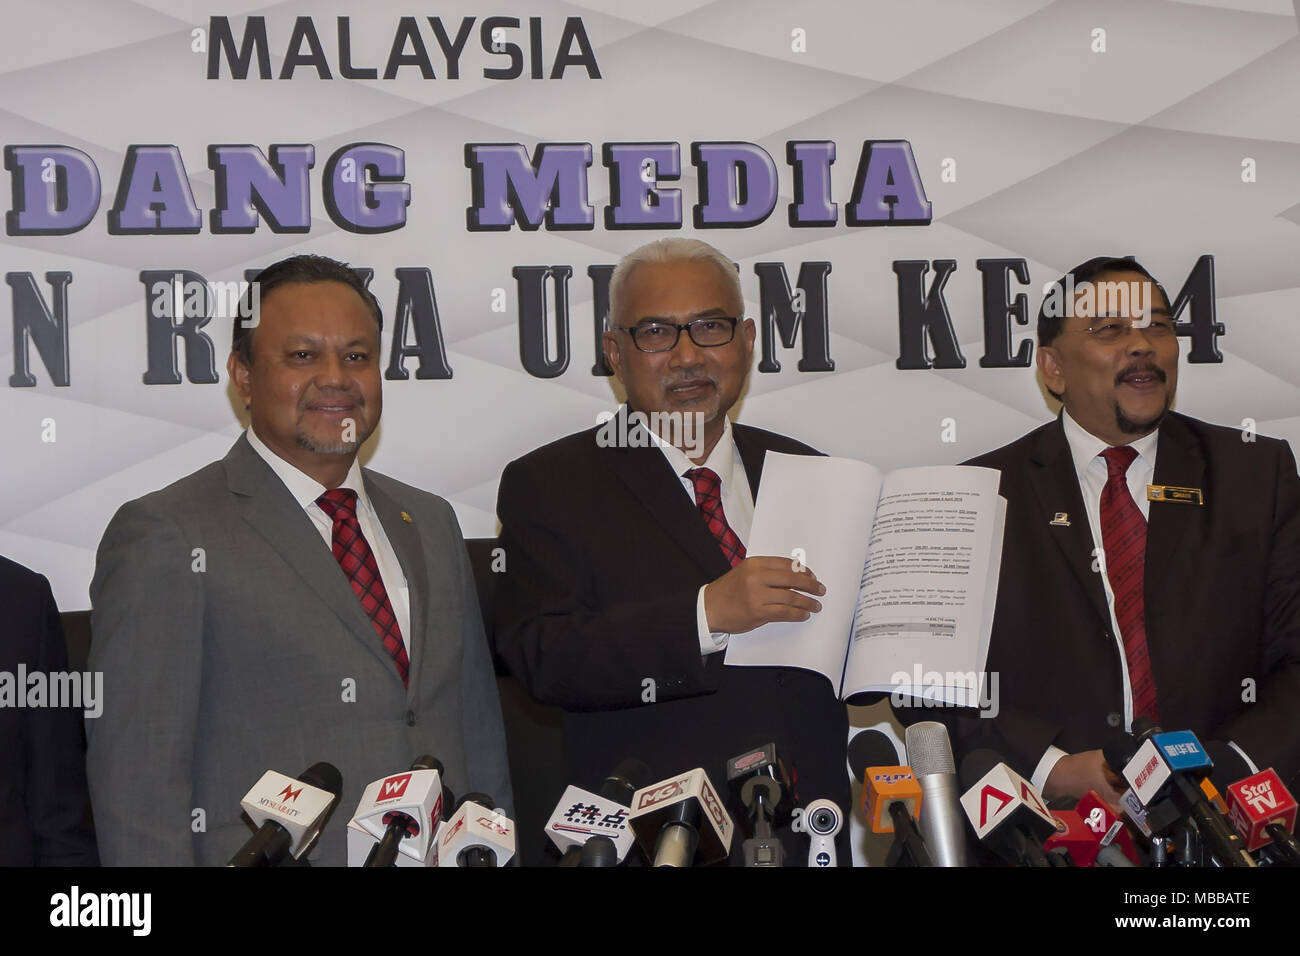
(384, 853)
(676, 817)
(469, 847)
(1164, 771)
(581, 816)
(289, 819)
(892, 790)
(598, 851)
(1008, 814)
(1229, 765)
(755, 778)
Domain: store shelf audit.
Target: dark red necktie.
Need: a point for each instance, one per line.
(708, 498)
(358, 562)
(1124, 540)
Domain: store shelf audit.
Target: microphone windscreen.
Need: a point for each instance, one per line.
(1118, 751)
(928, 749)
(628, 777)
(482, 799)
(871, 748)
(427, 762)
(323, 776)
(1144, 726)
(1229, 766)
(976, 765)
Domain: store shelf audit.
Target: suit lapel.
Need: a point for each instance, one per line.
(648, 476)
(1179, 461)
(404, 536)
(272, 512)
(752, 455)
(1056, 484)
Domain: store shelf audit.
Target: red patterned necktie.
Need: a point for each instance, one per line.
(1124, 540)
(358, 562)
(708, 497)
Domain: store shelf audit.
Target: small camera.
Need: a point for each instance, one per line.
(822, 819)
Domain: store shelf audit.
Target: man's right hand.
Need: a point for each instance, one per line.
(1075, 774)
(759, 590)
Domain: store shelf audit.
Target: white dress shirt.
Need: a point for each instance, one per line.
(306, 489)
(737, 505)
(1091, 469)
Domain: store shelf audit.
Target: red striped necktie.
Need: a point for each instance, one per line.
(1124, 540)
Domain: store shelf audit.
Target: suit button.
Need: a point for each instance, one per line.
(1113, 719)
(410, 718)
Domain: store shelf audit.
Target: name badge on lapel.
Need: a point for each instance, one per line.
(1185, 496)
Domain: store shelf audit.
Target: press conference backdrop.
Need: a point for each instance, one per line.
(489, 162)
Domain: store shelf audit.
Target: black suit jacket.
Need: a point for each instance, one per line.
(1222, 601)
(44, 804)
(596, 613)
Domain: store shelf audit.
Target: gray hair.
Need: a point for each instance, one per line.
(672, 249)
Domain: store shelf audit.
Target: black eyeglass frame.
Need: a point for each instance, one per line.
(678, 327)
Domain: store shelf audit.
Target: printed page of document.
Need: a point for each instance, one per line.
(819, 510)
(925, 603)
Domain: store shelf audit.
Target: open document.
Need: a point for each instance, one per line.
(910, 561)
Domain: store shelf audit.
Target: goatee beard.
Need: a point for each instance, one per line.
(1130, 427)
(327, 448)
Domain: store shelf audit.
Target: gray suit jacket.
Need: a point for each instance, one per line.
(231, 644)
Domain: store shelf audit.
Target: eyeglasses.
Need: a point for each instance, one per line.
(658, 336)
(1114, 328)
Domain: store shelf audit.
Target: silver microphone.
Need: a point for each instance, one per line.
(942, 823)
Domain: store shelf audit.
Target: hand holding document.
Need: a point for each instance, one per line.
(910, 562)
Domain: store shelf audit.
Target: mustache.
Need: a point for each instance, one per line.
(1147, 368)
(355, 398)
(688, 376)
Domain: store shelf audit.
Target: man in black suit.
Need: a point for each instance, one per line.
(1151, 562)
(625, 565)
(44, 804)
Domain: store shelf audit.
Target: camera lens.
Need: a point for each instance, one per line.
(823, 820)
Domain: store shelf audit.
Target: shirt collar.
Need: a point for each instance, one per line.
(304, 488)
(1085, 446)
(721, 460)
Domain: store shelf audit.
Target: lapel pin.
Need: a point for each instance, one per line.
(407, 518)
(1062, 520)
(1185, 496)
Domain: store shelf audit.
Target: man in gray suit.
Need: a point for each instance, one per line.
(284, 606)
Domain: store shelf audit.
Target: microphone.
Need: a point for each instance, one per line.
(1008, 814)
(288, 814)
(1152, 819)
(680, 819)
(760, 785)
(582, 816)
(822, 819)
(1164, 772)
(598, 851)
(1262, 811)
(1114, 845)
(891, 797)
(930, 754)
(475, 836)
(1229, 765)
(1073, 844)
(402, 812)
(760, 796)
